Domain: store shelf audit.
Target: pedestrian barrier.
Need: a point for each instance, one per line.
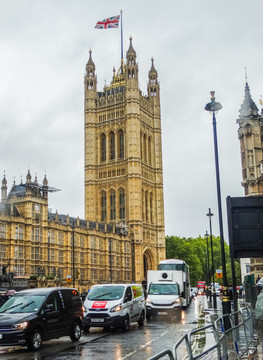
(229, 337)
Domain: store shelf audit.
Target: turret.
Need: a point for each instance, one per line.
(4, 189)
(153, 85)
(250, 136)
(131, 68)
(90, 79)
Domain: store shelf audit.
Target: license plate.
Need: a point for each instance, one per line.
(1, 336)
(162, 313)
(97, 320)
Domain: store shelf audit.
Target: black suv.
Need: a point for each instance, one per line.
(34, 315)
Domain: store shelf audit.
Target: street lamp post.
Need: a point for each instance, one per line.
(213, 107)
(208, 268)
(212, 257)
(73, 254)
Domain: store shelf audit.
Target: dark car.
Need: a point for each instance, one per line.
(32, 316)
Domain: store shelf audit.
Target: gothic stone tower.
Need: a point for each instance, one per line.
(250, 136)
(123, 160)
(250, 133)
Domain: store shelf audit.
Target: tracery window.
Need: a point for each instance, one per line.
(149, 151)
(112, 205)
(112, 145)
(103, 206)
(121, 144)
(122, 204)
(103, 147)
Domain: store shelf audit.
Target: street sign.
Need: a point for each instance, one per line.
(219, 274)
(68, 278)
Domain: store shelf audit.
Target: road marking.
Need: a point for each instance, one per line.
(143, 346)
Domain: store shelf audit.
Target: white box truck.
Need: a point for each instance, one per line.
(167, 291)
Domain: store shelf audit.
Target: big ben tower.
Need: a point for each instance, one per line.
(123, 160)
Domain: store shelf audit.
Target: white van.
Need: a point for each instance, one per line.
(114, 305)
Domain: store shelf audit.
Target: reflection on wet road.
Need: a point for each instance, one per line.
(138, 343)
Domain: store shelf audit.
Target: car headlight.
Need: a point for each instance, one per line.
(20, 326)
(116, 308)
(177, 301)
(148, 301)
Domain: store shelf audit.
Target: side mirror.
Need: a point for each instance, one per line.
(49, 308)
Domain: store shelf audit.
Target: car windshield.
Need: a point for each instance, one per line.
(23, 304)
(163, 289)
(114, 292)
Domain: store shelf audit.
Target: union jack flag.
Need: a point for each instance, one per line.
(110, 23)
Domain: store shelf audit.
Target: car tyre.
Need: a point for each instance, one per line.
(86, 329)
(34, 341)
(148, 317)
(126, 324)
(76, 332)
(141, 320)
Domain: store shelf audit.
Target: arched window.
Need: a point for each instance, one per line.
(103, 147)
(112, 205)
(151, 207)
(121, 144)
(112, 145)
(146, 205)
(149, 151)
(122, 204)
(103, 206)
(144, 148)
(141, 147)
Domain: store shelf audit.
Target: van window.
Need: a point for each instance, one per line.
(113, 292)
(128, 293)
(52, 300)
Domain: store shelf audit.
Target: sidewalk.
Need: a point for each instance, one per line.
(215, 313)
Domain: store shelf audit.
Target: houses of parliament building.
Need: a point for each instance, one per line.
(122, 233)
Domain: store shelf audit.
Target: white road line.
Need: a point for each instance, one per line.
(143, 346)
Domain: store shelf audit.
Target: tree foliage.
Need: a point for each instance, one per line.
(196, 253)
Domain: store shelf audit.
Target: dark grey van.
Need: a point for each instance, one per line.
(32, 316)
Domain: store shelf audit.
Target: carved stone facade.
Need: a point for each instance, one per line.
(122, 235)
(123, 160)
(38, 246)
(250, 134)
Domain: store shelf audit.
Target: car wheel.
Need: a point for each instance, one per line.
(141, 320)
(126, 324)
(76, 332)
(35, 340)
(148, 317)
(85, 329)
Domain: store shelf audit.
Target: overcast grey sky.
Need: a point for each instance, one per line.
(198, 46)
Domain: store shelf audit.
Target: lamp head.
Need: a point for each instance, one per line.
(213, 106)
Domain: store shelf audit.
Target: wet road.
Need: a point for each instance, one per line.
(138, 343)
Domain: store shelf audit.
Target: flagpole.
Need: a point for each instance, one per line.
(121, 46)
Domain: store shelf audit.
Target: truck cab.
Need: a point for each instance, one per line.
(162, 297)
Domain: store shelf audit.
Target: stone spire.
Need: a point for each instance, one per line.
(90, 78)
(28, 177)
(4, 189)
(131, 53)
(248, 108)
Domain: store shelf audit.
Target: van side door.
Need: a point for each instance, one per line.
(52, 316)
(129, 302)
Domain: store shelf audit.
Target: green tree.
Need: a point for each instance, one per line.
(194, 253)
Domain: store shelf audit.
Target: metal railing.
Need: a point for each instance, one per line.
(215, 341)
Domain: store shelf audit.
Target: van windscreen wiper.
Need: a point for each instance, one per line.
(12, 307)
(99, 296)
